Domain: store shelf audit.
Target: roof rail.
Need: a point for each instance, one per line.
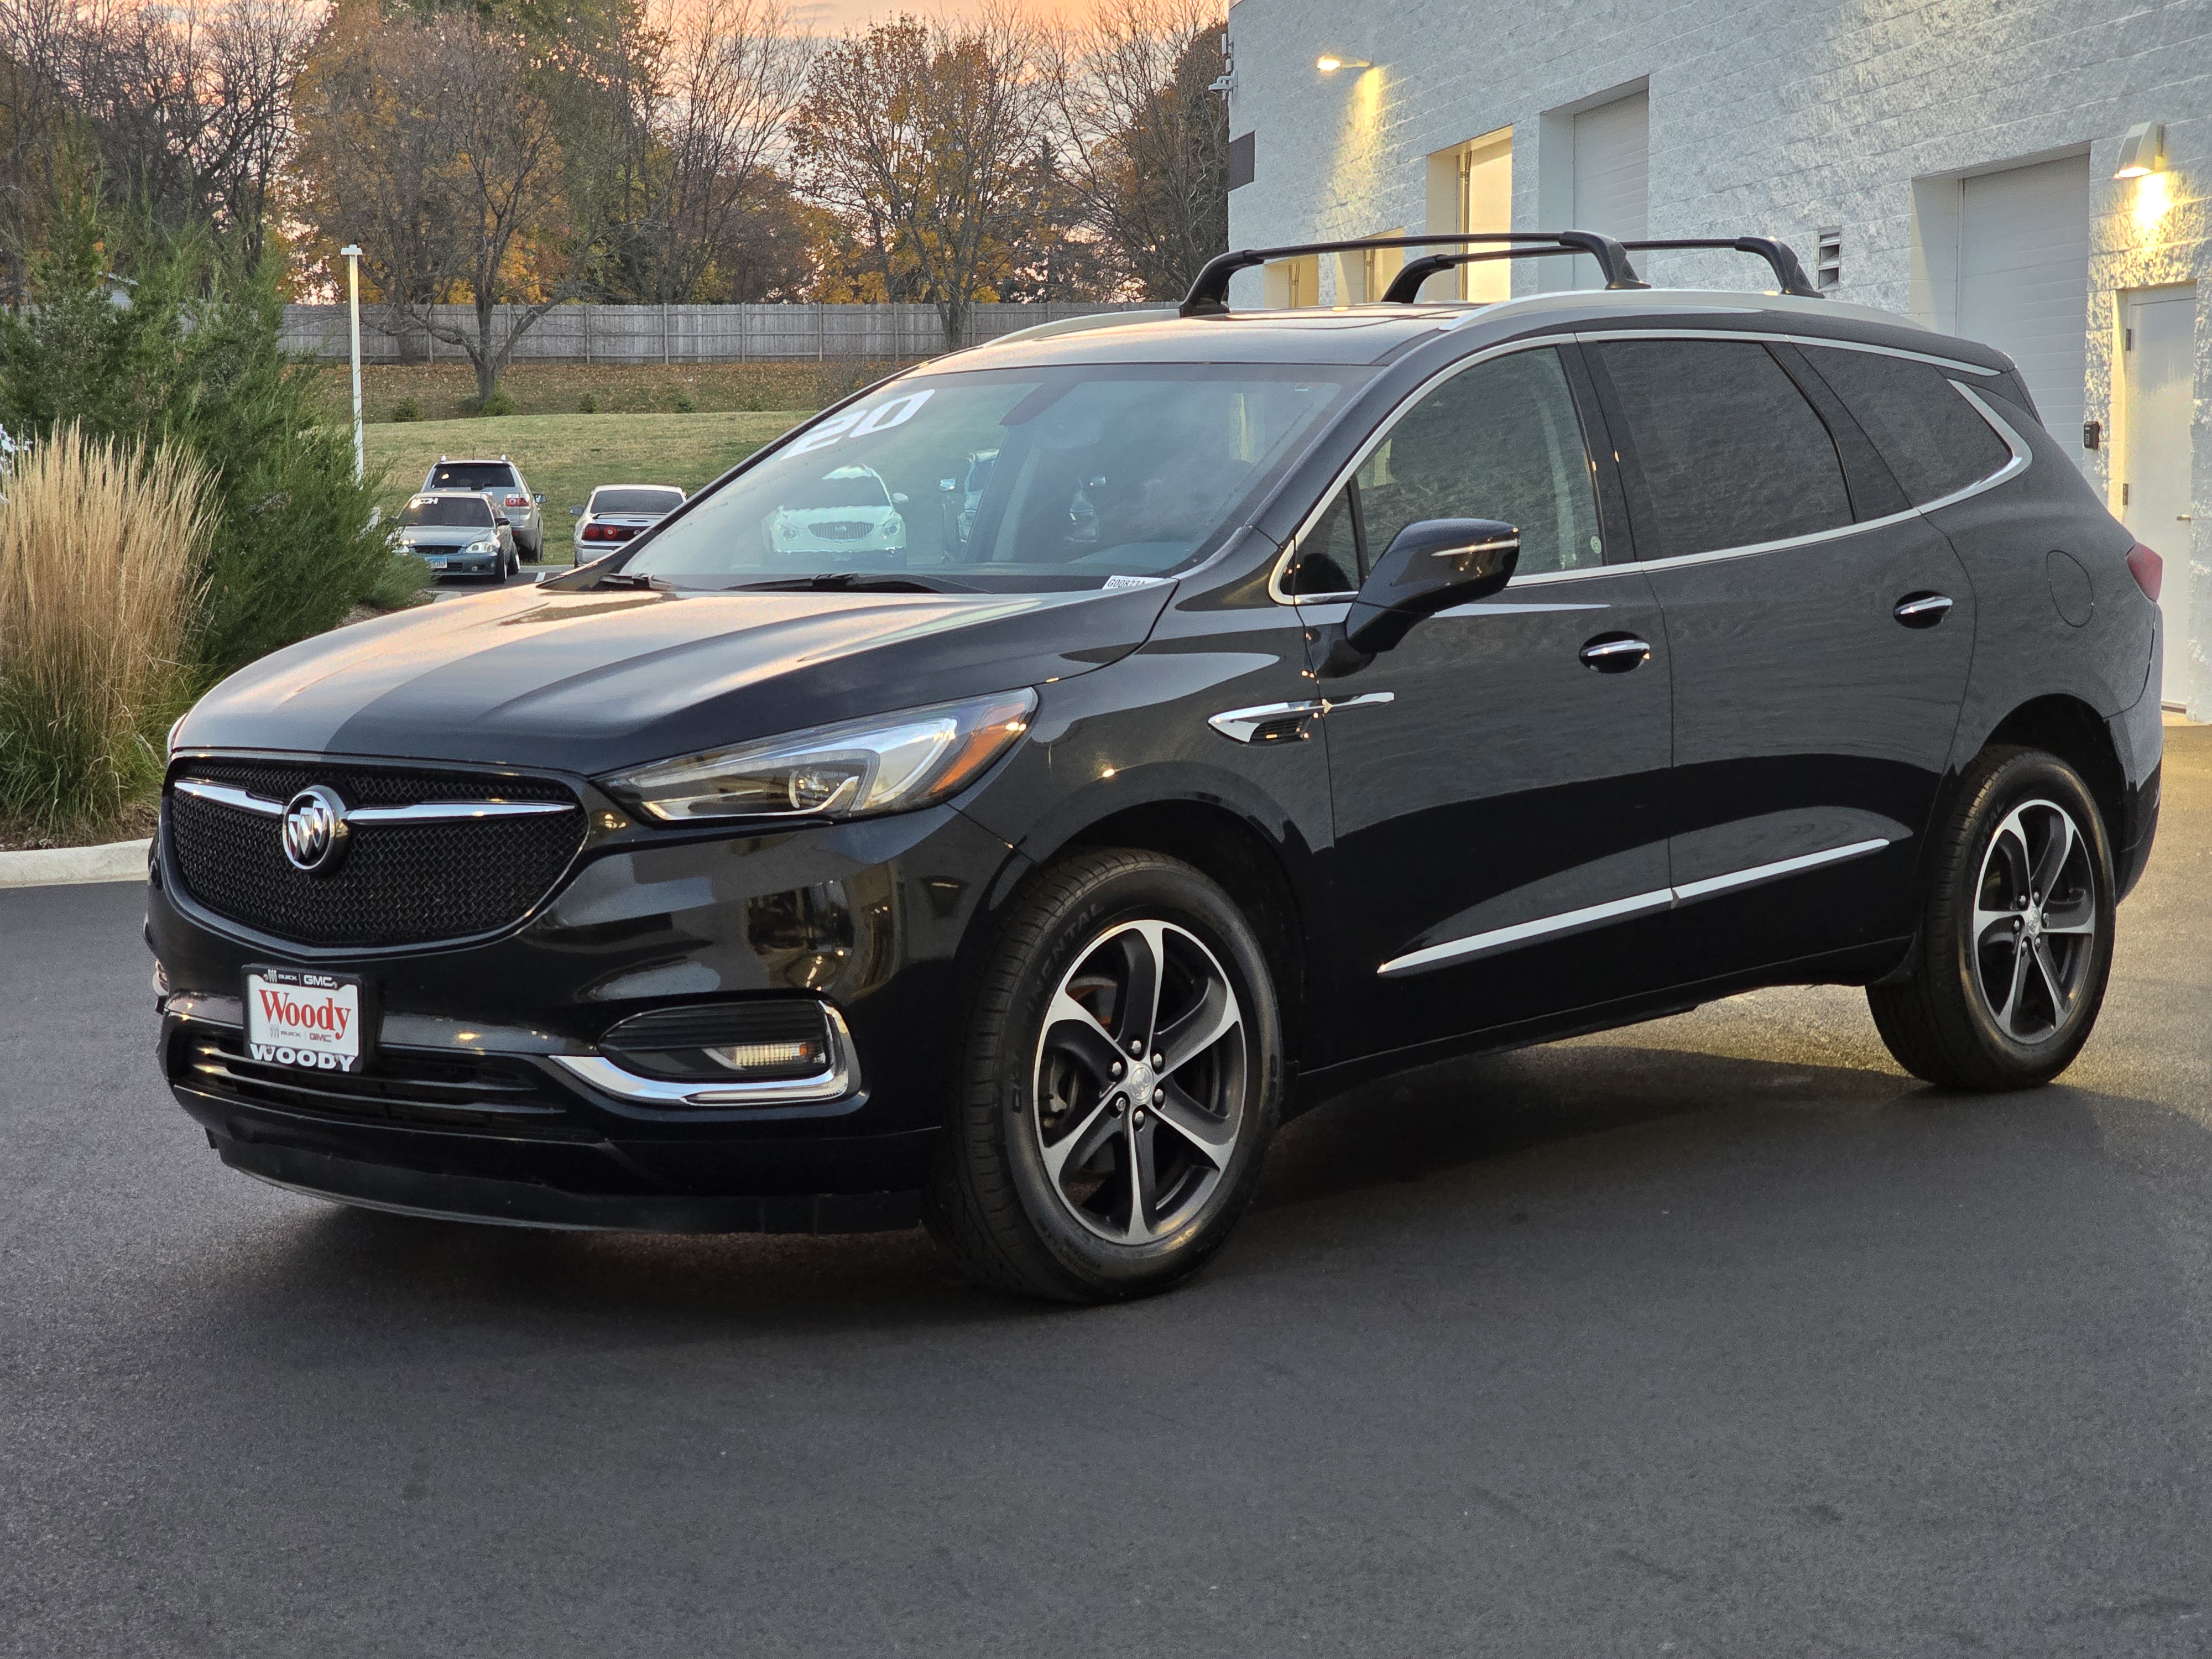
(1406, 286)
(1209, 294)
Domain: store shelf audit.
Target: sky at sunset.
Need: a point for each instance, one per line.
(842, 16)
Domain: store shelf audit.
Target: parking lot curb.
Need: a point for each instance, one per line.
(60, 867)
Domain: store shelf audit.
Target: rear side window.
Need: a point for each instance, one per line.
(1729, 452)
(1930, 435)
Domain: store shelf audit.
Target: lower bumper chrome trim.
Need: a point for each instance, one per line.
(834, 1082)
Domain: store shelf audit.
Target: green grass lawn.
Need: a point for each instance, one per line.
(565, 456)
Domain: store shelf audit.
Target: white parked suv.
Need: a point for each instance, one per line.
(848, 509)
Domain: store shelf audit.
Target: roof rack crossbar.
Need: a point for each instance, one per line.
(1406, 286)
(1780, 255)
(1209, 294)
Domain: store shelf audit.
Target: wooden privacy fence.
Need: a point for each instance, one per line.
(677, 334)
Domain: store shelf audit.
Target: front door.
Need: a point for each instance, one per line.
(1818, 661)
(1496, 777)
(2158, 359)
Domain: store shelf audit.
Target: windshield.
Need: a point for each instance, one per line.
(636, 500)
(455, 511)
(1005, 480)
(472, 475)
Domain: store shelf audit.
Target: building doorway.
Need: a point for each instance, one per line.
(2158, 364)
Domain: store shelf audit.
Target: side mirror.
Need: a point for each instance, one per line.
(898, 498)
(575, 512)
(1430, 565)
(540, 499)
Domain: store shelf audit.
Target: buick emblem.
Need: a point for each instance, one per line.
(314, 829)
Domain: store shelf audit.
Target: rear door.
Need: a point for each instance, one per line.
(1498, 837)
(1820, 632)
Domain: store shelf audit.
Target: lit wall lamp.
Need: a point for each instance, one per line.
(2142, 152)
(1328, 64)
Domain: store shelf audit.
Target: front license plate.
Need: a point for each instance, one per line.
(435, 560)
(298, 1016)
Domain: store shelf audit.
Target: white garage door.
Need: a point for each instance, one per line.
(1613, 172)
(2024, 280)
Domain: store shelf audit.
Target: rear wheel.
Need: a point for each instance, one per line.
(2015, 944)
(1122, 1077)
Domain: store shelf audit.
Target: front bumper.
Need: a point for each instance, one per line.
(475, 1101)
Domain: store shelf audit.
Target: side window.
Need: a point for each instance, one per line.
(1500, 440)
(1328, 556)
(1929, 437)
(1729, 452)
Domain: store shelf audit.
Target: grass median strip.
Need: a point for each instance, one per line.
(565, 456)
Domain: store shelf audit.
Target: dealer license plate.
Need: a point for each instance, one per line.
(297, 1017)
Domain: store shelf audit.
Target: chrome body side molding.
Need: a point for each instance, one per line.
(1568, 921)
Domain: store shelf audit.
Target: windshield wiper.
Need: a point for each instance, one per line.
(627, 579)
(853, 581)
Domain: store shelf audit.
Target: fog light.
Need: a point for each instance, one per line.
(775, 1058)
(773, 1039)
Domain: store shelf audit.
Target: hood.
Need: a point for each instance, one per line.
(589, 682)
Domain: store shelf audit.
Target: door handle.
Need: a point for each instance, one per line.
(1616, 653)
(1923, 610)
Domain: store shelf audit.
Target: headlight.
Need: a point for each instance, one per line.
(890, 763)
(488, 545)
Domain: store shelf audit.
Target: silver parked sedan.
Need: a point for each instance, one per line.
(501, 479)
(616, 513)
(458, 532)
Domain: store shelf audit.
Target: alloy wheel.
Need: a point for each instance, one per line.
(1142, 1075)
(2035, 921)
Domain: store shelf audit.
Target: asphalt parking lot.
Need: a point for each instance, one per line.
(1717, 1335)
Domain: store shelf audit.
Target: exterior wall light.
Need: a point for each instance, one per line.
(1328, 64)
(2142, 152)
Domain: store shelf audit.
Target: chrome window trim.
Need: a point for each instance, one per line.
(2021, 456)
(833, 1081)
(1522, 932)
(429, 811)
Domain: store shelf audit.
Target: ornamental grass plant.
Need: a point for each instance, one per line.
(101, 544)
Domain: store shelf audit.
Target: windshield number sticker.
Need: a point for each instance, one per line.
(857, 423)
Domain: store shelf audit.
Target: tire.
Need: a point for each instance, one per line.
(1033, 1191)
(1976, 1009)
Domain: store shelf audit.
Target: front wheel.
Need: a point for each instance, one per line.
(2015, 943)
(1122, 1076)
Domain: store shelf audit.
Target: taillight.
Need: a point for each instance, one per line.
(517, 500)
(2147, 568)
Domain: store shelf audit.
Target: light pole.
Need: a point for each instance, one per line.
(352, 251)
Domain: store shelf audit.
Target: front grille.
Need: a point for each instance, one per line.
(844, 530)
(406, 1085)
(398, 883)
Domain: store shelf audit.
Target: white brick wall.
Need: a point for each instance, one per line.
(1775, 118)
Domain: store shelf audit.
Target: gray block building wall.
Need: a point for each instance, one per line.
(1860, 127)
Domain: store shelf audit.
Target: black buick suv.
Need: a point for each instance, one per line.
(1308, 694)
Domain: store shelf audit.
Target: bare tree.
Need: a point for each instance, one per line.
(187, 106)
(426, 141)
(925, 137)
(728, 79)
(1144, 140)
